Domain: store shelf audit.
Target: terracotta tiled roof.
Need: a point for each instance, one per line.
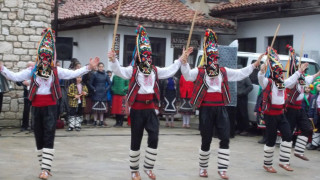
(238, 4)
(162, 11)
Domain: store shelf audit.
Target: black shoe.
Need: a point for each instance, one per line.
(312, 147)
(85, 122)
(263, 140)
(101, 123)
(95, 123)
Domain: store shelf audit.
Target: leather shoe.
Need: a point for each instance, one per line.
(223, 174)
(150, 174)
(286, 167)
(135, 176)
(44, 174)
(203, 173)
(301, 156)
(270, 169)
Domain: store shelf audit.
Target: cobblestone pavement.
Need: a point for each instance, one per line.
(102, 154)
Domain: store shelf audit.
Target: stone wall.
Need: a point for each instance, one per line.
(21, 24)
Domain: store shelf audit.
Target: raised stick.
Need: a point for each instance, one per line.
(191, 29)
(301, 50)
(116, 26)
(274, 38)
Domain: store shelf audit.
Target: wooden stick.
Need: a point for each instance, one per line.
(116, 26)
(275, 35)
(272, 43)
(191, 29)
(301, 50)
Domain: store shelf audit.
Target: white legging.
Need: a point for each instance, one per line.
(95, 116)
(186, 119)
(168, 117)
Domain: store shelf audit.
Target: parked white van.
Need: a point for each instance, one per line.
(246, 58)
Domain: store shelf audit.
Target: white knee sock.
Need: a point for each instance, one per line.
(204, 157)
(172, 118)
(285, 152)
(134, 160)
(301, 145)
(188, 119)
(268, 155)
(223, 159)
(150, 159)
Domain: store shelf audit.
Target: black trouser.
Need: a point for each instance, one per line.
(45, 119)
(242, 113)
(26, 112)
(76, 111)
(298, 119)
(210, 117)
(140, 120)
(273, 123)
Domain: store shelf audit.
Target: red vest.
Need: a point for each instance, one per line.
(201, 87)
(55, 87)
(267, 106)
(134, 87)
(292, 98)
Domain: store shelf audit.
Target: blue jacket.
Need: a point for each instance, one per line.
(98, 86)
(313, 109)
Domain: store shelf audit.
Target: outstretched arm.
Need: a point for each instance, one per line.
(263, 81)
(166, 72)
(70, 74)
(124, 72)
(292, 80)
(16, 76)
(239, 74)
(188, 74)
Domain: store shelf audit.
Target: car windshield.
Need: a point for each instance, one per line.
(312, 68)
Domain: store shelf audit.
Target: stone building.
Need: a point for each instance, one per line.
(21, 24)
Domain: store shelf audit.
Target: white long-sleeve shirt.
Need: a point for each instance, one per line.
(309, 80)
(146, 81)
(214, 83)
(44, 84)
(278, 94)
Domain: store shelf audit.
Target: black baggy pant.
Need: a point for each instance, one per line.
(210, 117)
(45, 119)
(298, 119)
(140, 120)
(76, 111)
(273, 123)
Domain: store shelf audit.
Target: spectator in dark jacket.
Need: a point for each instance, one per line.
(314, 117)
(99, 97)
(244, 87)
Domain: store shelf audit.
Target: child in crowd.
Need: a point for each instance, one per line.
(186, 109)
(77, 101)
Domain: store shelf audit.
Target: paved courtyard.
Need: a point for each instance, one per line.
(102, 154)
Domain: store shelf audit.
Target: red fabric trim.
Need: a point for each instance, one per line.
(143, 97)
(40, 100)
(296, 105)
(213, 97)
(275, 110)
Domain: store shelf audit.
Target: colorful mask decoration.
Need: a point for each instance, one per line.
(46, 54)
(210, 53)
(293, 65)
(275, 68)
(142, 53)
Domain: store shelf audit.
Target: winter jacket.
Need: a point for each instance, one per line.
(313, 109)
(244, 87)
(119, 86)
(98, 86)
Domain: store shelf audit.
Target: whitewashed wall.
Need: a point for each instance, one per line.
(97, 41)
(296, 26)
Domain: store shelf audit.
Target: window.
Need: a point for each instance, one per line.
(158, 46)
(280, 43)
(242, 61)
(247, 44)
